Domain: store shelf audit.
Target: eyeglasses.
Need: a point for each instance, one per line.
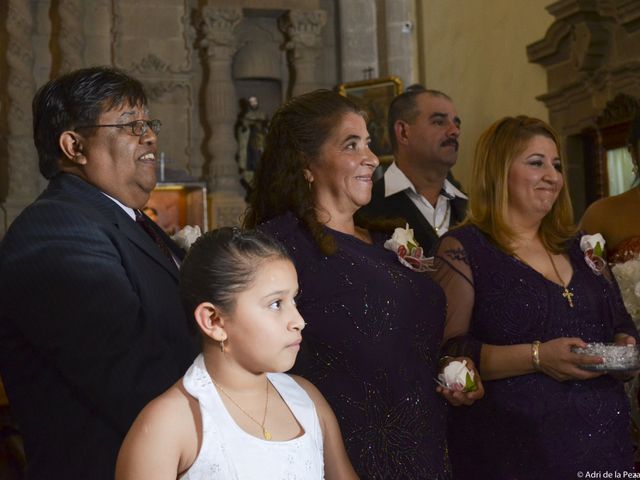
(138, 127)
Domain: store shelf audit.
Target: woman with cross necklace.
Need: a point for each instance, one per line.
(521, 296)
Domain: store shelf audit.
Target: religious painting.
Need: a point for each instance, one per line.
(374, 96)
(175, 205)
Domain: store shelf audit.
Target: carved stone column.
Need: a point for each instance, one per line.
(401, 41)
(217, 25)
(22, 158)
(359, 40)
(159, 53)
(302, 29)
(71, 35)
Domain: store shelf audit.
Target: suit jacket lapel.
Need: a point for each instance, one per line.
(137, 235)
(178, 252)
(424, 232)
(458, 210)
(92, 199)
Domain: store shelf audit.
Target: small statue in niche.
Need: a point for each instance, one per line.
(250, 131)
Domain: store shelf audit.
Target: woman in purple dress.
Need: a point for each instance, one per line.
(374, 327)
(520, 296)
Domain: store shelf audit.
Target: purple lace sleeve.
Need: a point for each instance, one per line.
(463, 346)
(453, 274)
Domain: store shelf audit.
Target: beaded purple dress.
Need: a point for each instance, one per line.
(532, 426)
(371, 346)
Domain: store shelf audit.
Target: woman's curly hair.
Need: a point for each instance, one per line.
(296, 134)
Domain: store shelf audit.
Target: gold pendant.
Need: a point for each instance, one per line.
(266, 434)
(569, 296)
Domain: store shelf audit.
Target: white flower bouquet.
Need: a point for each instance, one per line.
(628, 277)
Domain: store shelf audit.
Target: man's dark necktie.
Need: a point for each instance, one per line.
(144, 223)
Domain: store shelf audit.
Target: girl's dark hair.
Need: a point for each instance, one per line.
(297, 132)
(223, 263)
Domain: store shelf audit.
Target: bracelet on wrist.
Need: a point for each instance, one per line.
(535, 355)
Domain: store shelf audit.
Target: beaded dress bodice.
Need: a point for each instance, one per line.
(371, 346)
(532, 426)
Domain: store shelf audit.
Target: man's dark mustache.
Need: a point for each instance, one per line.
(451, 141)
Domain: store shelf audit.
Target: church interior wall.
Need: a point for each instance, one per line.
(476, 53)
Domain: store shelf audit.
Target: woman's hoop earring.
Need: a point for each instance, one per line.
(222, 346)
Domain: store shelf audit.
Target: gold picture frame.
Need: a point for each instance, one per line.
(374, 96)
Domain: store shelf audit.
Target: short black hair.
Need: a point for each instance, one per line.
(405, 107)
(77, 98)
(221, 264)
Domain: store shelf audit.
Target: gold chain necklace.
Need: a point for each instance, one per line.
(265, 432)
(566, 293)
(444, 218)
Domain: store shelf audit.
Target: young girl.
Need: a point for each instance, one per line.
(229, 418)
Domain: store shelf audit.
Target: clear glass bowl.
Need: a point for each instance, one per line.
(616, 357)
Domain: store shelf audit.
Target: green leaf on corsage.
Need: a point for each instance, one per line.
(469, 385)
(598, 251)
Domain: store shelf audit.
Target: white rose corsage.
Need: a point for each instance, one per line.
(187, 236)
(456, 376)
(593, 248)
(408, 250)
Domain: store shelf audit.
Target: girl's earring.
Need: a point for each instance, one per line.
(222, 346)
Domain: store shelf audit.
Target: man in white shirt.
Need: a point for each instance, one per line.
(417, 187)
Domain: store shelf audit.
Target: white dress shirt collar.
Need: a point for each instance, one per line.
(396, 181)
(128, 210)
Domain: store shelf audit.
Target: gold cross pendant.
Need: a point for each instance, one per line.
(569, 296)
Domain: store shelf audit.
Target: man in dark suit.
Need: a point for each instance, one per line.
(91, 324)
(417, 187)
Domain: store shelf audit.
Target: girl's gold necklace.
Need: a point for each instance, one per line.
(265, 432)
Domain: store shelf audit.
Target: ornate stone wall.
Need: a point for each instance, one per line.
(20, 153)
(359, 39)
(196, 58)
(160, 54)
